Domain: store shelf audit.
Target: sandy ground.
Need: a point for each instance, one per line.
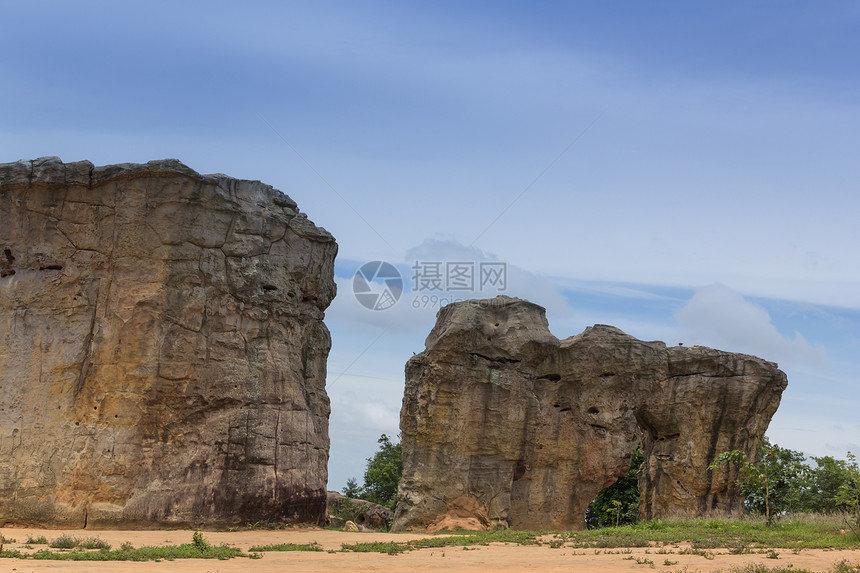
(496, 557)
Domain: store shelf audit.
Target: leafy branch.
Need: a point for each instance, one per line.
(752, 474)
(848, 494)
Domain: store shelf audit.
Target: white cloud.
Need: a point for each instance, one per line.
(367, 414)
(720, 317)
(415, 312)
(360, 414)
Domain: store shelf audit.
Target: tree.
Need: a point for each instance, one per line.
(848, 494)
(382, 476)
(617, 504)
(383, 473)
(352, 490)
(824, 483)
(753, 476)
(788, 481)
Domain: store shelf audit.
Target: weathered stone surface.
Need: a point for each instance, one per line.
(501, 417)
(162, 348)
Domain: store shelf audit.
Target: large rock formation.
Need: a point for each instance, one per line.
(162, 348)
(502, 422)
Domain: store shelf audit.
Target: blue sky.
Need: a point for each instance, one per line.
(685, 171)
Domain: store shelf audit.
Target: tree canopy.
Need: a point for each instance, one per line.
(381, 477)
(617, 504)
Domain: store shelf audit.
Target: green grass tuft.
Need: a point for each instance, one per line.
(289, 547)
(95, 549)
(389, 547)
(841, 567)
(168, 552)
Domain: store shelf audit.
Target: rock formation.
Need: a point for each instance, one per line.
(162, 348)
(502, 423)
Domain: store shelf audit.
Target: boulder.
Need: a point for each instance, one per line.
(162, 348)
(505, 425)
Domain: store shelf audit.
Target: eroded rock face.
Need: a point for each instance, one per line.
(504, 423)
(162, 348)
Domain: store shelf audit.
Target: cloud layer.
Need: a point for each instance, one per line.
(720, 317)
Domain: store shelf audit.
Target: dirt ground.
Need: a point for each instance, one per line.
(495, 557)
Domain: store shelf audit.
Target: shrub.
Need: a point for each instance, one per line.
(199, 542)
(848, 494)
(63, 542)
(93, 543)
(345, 510)
(617, 504)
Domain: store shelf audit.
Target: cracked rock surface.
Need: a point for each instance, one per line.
(162, 348)
(504, 423)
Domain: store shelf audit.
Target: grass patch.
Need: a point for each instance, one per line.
(67, 542)
(457, 539)
(40, 540)
(789, 533)
(389, 547)
(167, 552)
(699, 552)
(842, 567)
(288, 547)
(94, 549)
(739, 535)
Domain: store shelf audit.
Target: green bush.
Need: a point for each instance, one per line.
(63, 542)
(198, 542)
(617, 504)
(346, 509)
(848, 494)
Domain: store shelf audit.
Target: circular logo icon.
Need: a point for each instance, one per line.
(377, 285)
